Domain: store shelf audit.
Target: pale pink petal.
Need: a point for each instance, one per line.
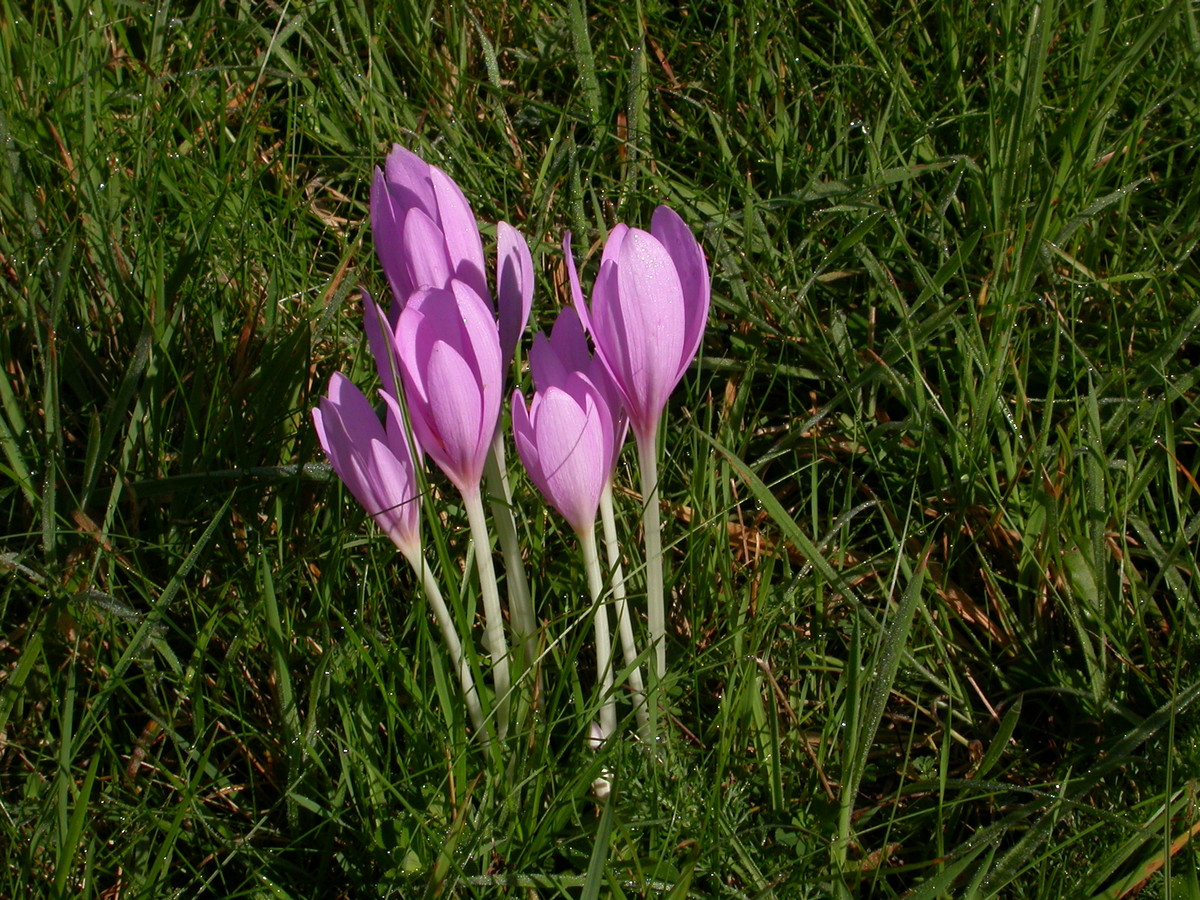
(406, 340)
(571, 455)
(455, 411)
(399, 438)
(394, 482)
(336, 444)
(457, 223)
(514, 288)
(383, 484)
(481, 348)
(408, 176)
(652, 328)
(570, 341)
(558, 360)
(608, 260)
(692, 268)
(387, 231)
(353, 411)
(612, 246)
(576, 290)
(570, 344)
(526, 441)
(415, 335)
(583, 390)
(607, 326)
(545, 365)
(461, 321)
(428, 264)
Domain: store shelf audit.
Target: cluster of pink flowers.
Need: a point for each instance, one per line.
(445, 347)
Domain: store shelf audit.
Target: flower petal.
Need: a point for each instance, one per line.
(563, 361)
(569, 340)
(428, 263)
(526, 441)
(638, 325)
(354, 441)
(571, 455)
(481, 339)
(336, 444)
(408, 176)
(399, 437)
(455, 415)
(514, 288)
(583, 390)
(573, 277)
(415, 336)
(351, 410)
(692, 268)
(462, 321)
(387, 231)
(545, 365)
(394, 484)
(457, 223)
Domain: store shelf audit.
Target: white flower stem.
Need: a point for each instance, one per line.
(493, 616)
(433, 594)
(624, 625)
(652, 535)
(520, 606)
(604, 654)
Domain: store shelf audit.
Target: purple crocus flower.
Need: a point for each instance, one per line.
(441, 344)
(374, 462)
(649, 308)
(552, 359)
(564, 438)
(426, 235)
(449, 356)
(568, 439)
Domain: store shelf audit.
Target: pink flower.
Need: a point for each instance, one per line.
(565, 441)
(649, 308)
(374, 463)
(425, 232)
(448, 352)
(426, 235)
(552, 359)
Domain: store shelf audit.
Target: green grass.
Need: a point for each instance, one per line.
(932, 489)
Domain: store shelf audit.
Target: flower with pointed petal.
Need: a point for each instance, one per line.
(449, 356)
(564, 439)
(649, 308)
(374, 462)
(552, 359)
(426, 235)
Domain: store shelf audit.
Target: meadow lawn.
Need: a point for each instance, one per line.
(930, 493)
